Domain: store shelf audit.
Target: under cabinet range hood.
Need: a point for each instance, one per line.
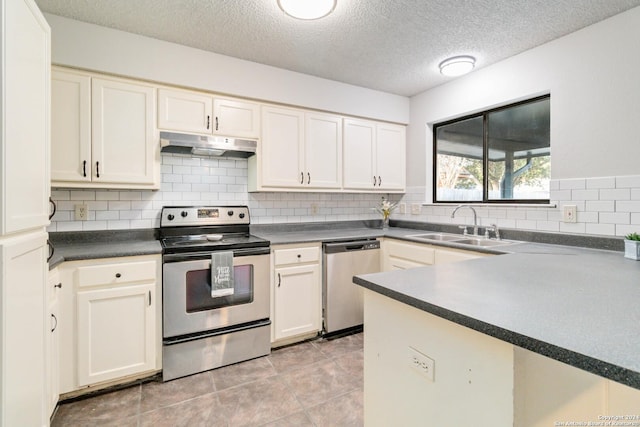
(201, 145)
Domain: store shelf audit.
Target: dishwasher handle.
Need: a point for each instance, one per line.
(351, 246)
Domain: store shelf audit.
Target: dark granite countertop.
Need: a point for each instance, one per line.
(102, 244)
(521, 297)
(576, 305)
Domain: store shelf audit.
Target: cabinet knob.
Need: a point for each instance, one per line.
(59, 286)
(299, 256)
(118, 275)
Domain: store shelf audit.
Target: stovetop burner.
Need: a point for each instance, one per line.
(206, 228)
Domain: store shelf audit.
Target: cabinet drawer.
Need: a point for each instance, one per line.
(113, 274)
(296, 255)
(413, 252)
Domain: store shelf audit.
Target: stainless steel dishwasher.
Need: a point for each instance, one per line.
(342, 300)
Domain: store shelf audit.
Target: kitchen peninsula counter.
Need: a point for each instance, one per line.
(497, 328)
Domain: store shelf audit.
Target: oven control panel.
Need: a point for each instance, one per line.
(178, 216)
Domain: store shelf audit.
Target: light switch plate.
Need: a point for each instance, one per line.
(415, 208)
(402, 208)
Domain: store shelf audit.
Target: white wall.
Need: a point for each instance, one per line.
(595, 139)
(592, 76)
(88, 46)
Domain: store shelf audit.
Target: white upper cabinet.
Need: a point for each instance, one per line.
(299, 150)
(374, 156)
(70, 126)
(236, 118)
(123, 132)
(281, 147)
(24, 158)
(323, 150)
(196, 112)
(103, 132)
(184, 111)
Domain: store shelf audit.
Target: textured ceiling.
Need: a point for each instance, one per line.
(393, 46)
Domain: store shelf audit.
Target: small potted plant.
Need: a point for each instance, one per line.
(632, 246)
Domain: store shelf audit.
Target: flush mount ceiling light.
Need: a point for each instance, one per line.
(457, 65)
(307, 9)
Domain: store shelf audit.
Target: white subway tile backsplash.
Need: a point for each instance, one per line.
(615, 218)
(600, 183)
(627, 206)
(585, 195)
(600, 206)
(616, 194)
(632, 181)
(606, 206)
(603, 229)
(573, 184)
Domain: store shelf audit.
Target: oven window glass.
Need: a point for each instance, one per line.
(199, 289)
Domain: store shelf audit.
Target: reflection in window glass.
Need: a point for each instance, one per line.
(460, 155)
(519, 152)
(499, 155)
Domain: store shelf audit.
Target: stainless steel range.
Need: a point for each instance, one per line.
(205, 326)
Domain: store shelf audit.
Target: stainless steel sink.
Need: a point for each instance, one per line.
(461, 239)
(438, 236)
(482, 242)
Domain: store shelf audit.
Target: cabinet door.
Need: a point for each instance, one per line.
(24, 160)
(359, 145)
(116, 330)
(185, 111)
(444, 256)
(323, 150)
(297, 300)
(123, 141)
(236, 118)
(282, 133)
(70, 127)
(52, 346)
(390, 156)
(23, 278)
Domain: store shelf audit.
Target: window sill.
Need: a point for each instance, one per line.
(496, 205)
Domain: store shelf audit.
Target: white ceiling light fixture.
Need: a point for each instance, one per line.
(457, 65)
(307, 9)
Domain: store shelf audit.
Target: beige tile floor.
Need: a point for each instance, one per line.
(316, 383)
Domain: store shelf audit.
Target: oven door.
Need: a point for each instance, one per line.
(188, 307)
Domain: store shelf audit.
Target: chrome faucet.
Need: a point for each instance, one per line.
(475, 217)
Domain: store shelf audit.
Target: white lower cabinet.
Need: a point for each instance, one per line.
(115, 319)
(402, 255)
(52, 347)
(296, 297)
(23, 278)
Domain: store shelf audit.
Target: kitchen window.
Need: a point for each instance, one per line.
(501, 155)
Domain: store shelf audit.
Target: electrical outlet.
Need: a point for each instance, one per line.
(415, 208)
(314, 209)
(422, 363)
(569, 213)
(402, 208)
(81, 212)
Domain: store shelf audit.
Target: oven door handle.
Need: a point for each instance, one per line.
(191, 256)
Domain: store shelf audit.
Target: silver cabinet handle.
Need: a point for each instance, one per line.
(97, 169)
(301, 177)
(308, 178)
(379, 180)
(55, 325)
(279, 280)
(216, 122)
(374, 180)
(149, 298)
(208, 122)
